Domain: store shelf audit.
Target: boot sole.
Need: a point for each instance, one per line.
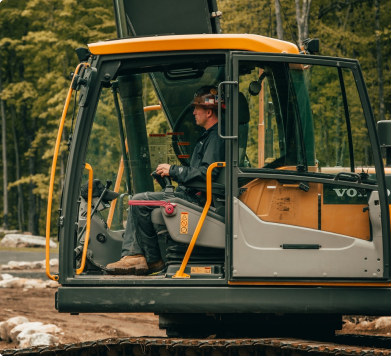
(121, 271)
(157, 269)
(141, 271)
(130, 271)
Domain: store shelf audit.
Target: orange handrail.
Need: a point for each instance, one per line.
(53, 173)
(121, 171)
(152, 108)
(89, 202)
(116, 189)
(180, 273)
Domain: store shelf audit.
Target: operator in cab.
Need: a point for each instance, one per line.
(140, 248)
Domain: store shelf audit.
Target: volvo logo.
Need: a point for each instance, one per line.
(349, 192)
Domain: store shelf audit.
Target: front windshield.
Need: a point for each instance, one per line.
(306, 118)
(157, 121)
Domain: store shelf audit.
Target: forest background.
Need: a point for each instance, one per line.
(37, 43)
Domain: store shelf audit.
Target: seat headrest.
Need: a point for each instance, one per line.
(243, 112)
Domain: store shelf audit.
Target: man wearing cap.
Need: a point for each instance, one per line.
(140, 248)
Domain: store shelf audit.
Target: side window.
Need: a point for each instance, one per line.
(307, 119)
(105, 157)
(363, 157)
(302, 117)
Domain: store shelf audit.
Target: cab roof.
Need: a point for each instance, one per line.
(253, 43)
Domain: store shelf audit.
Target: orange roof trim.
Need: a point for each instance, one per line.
(253, 43)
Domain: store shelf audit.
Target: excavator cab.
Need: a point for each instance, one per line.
(294, 229)
(144, 113)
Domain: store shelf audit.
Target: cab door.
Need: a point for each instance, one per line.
(309, 193)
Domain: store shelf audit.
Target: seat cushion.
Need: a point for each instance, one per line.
(157, 217)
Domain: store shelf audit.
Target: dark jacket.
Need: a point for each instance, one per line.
(210, 148)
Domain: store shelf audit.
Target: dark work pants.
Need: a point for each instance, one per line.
(140, 236)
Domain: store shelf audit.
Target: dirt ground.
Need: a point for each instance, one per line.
(39, 306)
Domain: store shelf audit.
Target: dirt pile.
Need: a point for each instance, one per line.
(361, 324)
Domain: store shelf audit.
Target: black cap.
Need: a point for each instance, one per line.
(97, 190)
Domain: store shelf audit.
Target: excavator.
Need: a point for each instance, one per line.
(294, 231)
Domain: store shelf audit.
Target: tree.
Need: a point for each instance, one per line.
(4, 149)
(379, 61)
(303, 19)
(280, 29)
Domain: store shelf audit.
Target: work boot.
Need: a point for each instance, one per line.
(131, 265)
(157, 266)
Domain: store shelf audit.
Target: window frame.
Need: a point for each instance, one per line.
(75, 166)
(339, 63)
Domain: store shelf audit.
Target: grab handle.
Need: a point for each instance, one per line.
(53, 173)
(219, 110)
(351, 174)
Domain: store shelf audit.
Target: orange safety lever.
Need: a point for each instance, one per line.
(180, 273)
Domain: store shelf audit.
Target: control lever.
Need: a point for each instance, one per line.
(163, 181)
(167, 180)
(107, 186)
(169, 190)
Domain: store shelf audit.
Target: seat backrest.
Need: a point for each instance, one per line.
(221, 177)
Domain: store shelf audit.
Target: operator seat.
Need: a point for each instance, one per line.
(210, 244)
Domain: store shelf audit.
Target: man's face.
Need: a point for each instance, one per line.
(201, 115)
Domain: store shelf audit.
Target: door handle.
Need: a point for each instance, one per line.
(219, 110)
(351, 174)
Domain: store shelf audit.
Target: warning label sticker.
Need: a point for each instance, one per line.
(184, 228)
(175, 133)
(205, 270)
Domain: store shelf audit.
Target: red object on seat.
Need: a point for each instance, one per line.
(168, 207)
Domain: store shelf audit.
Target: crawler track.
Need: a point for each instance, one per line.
(358, 345)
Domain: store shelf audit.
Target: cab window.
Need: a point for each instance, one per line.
(304, 118)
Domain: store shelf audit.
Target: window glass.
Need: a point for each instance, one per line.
(158, 125)
(363, 157)
(299, 119)
(105, 157)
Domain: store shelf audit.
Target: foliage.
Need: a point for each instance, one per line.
(38, 38)
(37, 42)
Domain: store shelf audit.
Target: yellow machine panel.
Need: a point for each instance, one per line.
(253, 43)
(281, 203)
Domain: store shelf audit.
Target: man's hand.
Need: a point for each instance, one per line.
(163, 169)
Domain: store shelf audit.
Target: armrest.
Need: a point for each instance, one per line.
(217, 188)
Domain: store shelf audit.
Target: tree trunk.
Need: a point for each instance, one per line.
(38, 213)
(303, 19)
(4, 146)
(32, 209)
(280, 29)
(379, 62)
(17, 173)
(29, 134)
